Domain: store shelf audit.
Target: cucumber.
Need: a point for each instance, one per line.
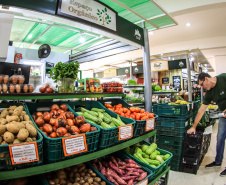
(117, 122)
(91, 121)
(106, 118)
(93, 113)
(84, 110)
(91, 117)
(80, 113)
(100, 115)
(97, 110)
(112, 124)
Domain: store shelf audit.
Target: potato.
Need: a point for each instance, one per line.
(8, 137)
(10, 112)
(76, 183)
(3, 121)
(12, 118)
(4, 113)
(102, 183)
(32, 130)
(77, 175)
(82, 168)
(4, 143)
(17, 112)
(31, 123)
(82, 181)
(90, 180)
(12, 107)
(93, 175)
(23, 134)
(24, 122)
(29, 139)
(63, 182)
(82, 174)
(34, 139)
(51, 182)
(12, 128)
(18, 124)
(21, 118)
(57, 181)
(1, 139)
(23, 113)
(86, 183)
(97, 179)
(2, 129)
(21, 107)
(26, 118)
(77, 179)
(95, 183)
(16, 141)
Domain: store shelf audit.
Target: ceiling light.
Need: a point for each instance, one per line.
(188, 24)
(161, 54)
(151, 33)
(29, 36)
(82, 39)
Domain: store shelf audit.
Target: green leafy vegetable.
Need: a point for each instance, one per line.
(131, 82)
(64, 70)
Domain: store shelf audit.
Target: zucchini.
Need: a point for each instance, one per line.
(91, 117)
(117, 122)
(144, 148)
(139, 157)
(100, 115)
(112, 124)
(159, 158)
(167, 156)
(151, 149)
(93, 113)
(84, 110)
(107, 118)
(91, 121)
(105, 125)
(97, 110)
(80, 113)
(154, 154)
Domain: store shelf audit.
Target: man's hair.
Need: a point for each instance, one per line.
(202, 76)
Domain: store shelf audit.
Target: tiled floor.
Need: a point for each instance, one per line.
(205, 176)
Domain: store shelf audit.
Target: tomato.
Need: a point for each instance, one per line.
(137, 109)
(111, 109)
(122, 114)
(108, 105)
(144, 118)
(127, 116)
(138, 116)
(118, 106)
(147, 113)
(117, 111)
(125, 109)
(142, 111)
(128, 112)
(132, 109)
(132, 116)
(142, 115)
(151, 115)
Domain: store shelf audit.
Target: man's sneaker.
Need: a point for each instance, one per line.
(212, 164)
(223, 173)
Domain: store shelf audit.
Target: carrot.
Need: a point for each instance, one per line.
(142, 176)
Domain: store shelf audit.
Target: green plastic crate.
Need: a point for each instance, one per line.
(175, 163)
(5, 163)
(158, 169)
(171, 131)
(174, 123)
(53, 149)
(174, 149)
(139, 126)
(108, 137)
(123, 156)
(169, 140)
(174, 111)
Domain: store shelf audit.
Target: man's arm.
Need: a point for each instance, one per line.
(198, 117)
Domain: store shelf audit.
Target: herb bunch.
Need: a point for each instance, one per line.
(64, 70)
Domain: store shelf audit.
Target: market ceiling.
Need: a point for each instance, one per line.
(32, 31)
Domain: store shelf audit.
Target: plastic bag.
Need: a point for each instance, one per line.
(47, 87)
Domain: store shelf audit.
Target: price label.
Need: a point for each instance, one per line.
(24, 153)
(74, 144)
(125, 132)
(192, 106)
(145, 182)
(150, 124)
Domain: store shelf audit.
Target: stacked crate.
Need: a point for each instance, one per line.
(172, 123)
(194, 150)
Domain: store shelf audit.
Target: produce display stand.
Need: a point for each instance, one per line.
(4, 175)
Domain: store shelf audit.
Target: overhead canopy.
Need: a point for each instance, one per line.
(138, 11)
(31, 32)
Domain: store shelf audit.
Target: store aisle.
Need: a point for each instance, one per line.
(205, 176)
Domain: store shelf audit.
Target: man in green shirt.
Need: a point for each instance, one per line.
(216, 91)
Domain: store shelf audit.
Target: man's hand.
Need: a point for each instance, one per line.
(224, 116)
(191, 130)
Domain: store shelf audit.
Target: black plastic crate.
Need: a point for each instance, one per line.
(191, 160)
(196, 144)
(187, 168)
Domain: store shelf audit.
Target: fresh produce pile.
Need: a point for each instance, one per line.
(16, 126)
(147, 154)
(133, 100)
(101, 118)
(132, 112)
(46, 89)
(60, 122)
(178, 102)
(74, 175)
(211, 107)
(126, 172)
(112, 87)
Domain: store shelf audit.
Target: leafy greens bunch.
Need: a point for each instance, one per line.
(64, 70)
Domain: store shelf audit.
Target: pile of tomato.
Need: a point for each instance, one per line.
(132, 112)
